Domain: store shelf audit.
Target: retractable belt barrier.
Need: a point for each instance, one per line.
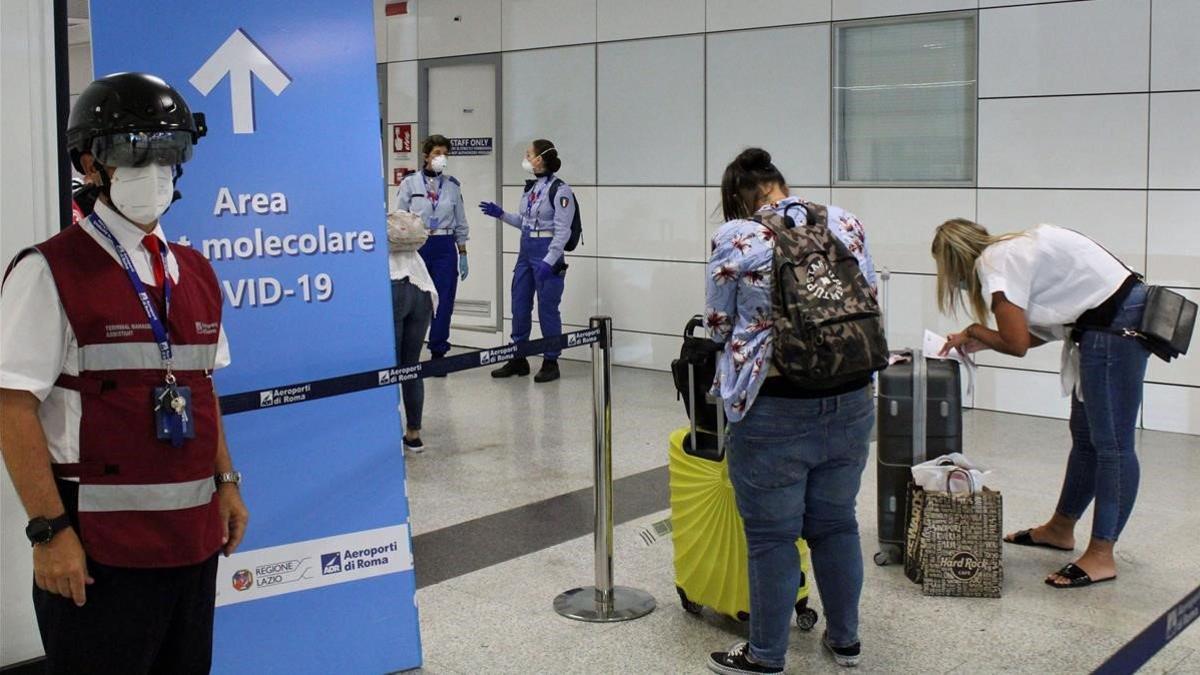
(386, 377)
(1150, 641)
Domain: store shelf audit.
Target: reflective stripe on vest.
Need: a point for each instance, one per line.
(144, 356)
(153, 497)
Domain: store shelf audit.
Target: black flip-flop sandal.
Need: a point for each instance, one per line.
(1076, 578)
(1025, 538)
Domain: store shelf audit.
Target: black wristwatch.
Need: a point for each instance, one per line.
(42, 530)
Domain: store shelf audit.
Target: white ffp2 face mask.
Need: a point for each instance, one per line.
(527, 165)
(142, 194)
(438, 163)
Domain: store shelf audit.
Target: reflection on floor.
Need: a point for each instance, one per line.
(506, 447)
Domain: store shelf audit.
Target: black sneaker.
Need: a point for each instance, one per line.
(847, 657)
(435, 358)
(548, 373)
(518, 366)
(414, 445)
(736, 661)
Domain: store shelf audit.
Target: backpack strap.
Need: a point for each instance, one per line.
(554, 188)
(529, 184)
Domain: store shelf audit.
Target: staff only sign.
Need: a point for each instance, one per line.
(282, 196)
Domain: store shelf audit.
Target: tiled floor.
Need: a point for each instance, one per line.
(489, 455)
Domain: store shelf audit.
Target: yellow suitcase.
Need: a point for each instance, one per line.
(710, 544)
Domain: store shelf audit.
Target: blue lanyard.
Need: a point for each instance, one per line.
(437, 196)
(535, 197)
(161, 336)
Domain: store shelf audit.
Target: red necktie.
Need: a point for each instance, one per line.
(152, 245)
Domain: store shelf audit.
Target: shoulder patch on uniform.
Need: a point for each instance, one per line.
(564, 201)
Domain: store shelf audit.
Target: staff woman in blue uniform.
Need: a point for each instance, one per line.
(547, 209)
(437, 198)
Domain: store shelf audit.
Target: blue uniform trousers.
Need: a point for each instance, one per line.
(440, 254)
(525, 285)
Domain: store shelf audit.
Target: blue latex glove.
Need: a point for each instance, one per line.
(491, 209)
(462, 266)
(542, 271)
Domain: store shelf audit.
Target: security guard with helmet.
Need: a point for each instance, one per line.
(109, 422)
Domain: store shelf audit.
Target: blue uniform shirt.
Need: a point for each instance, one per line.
(416, 194)
(538, 214)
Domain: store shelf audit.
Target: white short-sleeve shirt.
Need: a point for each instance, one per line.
(37, 343)
(1054, 274)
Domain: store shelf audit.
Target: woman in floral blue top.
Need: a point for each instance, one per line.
(796, 455)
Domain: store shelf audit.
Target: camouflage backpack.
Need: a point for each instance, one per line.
(828, 330)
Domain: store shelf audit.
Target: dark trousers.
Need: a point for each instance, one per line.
(134, 621)
(440, 254)
(411, 310)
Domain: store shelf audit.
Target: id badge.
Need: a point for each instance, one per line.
(173, 419)
(433, 223)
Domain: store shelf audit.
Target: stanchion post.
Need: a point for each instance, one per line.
(603, 602)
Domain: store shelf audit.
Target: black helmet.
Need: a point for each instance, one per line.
(133, 119)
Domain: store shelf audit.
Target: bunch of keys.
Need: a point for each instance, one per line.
(172, 421)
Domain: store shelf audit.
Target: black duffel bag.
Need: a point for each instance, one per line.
(694, 372)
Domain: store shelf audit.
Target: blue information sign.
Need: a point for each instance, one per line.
(283, 198)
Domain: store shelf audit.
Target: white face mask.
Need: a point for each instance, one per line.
(438, 163)
(142, 194)
(527, 165)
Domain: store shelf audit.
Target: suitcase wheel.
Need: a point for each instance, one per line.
(806, 617)
(688, 606)
(882, 559)
(742, 617)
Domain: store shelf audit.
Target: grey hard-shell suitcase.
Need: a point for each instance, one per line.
(906, 437)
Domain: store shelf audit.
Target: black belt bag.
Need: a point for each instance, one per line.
(1168, 322)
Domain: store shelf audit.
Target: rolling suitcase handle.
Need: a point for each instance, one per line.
(692, 415)
(920, 405)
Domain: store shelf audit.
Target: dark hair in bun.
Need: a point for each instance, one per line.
(549, 154)
(745, 179)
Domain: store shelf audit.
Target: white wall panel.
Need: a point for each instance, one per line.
(654, 297)
(402, 33)
(655, 223)
(1071, 142)
(900, 221)
(579, 302)
(528, 24)
(625, 19)
(380, 31)
(1173, 239)
(1116, 219)
(1185, 369)
(454, 27)
(551, 93)
(651, 112)
(402, 93)
(1174, 141)
(862, 9)
(736, 14)
(783, 108)
(639, 350)
(1171, 408)
(1175, 50)
(910, 307)
(80, 67)
(1064, 48)
(585, 197)
(1022, 392)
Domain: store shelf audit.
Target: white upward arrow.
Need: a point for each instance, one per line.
(239, 57)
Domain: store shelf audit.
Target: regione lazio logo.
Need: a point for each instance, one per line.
(331, 563)
(242, 580)
(240, 59)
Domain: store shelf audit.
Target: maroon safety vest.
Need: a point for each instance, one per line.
(142, 502)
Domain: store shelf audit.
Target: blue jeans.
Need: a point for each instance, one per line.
(796, 467)
(549, 294)
(411, 310)
(1103, 464)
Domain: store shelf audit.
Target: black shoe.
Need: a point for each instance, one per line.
(435, 358)
(736, 661)
(548, 373)
(414, 445)
(847, 657)
(515, 367)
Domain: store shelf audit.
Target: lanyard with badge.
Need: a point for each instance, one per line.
(434, 196)
(534, 201)
(172, 402)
